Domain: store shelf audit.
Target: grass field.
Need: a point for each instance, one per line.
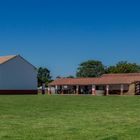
(69, 118)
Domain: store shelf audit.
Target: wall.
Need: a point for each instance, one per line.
(131, 90)
(118, 87)
(100, 92)
(17, 74)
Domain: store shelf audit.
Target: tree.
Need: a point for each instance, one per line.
(70, 76)
(43, 76)
(58, 77)
(90, 68)
(124, 67)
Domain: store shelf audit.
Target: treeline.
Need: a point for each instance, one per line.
(91, 68)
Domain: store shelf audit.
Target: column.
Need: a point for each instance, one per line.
(122, 88)
(93, 90)
(62, 90)
(43, 88)
(107, 90)
(49, 90)
(56, 88)
(77, 89)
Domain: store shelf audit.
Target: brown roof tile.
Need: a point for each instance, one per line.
(4, 59)
(121, 74)
(103, 80)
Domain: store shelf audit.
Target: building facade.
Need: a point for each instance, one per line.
(17, 76)
(107, 84)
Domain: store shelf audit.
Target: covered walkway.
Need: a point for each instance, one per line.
(108, 84)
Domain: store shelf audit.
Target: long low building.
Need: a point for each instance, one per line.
(113, 84)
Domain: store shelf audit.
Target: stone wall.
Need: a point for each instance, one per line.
(131, 90)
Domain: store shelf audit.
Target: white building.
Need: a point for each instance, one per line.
(17, 76)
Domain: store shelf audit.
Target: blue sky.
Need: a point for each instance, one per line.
(60, 34)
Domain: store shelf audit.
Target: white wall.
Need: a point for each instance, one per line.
(17, 74)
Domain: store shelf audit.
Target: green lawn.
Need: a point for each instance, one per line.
(69, 118)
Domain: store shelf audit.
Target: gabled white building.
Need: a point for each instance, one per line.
(17, 76)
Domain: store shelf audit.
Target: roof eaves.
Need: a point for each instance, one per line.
(14, 56)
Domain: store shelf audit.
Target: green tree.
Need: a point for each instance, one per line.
(43, 76)
(124, 67)
(90, 68)
(58, 77)
(70, 76)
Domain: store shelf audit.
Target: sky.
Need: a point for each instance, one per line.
(60, 34)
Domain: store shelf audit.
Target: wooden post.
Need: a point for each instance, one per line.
(77, 89)
(107, 90)
(122, 88)
(93, 90)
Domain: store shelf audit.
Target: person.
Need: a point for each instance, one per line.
(43, 88)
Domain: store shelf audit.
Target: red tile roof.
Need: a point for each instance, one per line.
(103, 80)
(4, 59)
(121, 74)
